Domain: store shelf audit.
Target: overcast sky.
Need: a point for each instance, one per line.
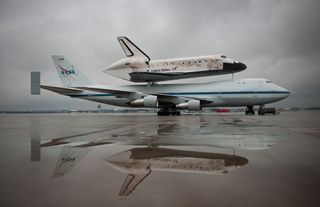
(277, 40)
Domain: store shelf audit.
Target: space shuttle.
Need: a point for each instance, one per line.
(138, 67)
(138, 163)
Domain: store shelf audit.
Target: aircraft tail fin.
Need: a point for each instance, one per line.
(69, 157)
(130, 49)
(69, 75)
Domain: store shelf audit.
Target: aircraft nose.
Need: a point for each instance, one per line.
(284, 92)
(241, 66)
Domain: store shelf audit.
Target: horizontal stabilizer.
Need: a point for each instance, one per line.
(53, 143)
(61, 90)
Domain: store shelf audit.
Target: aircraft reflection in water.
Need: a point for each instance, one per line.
(191, 131)
(139, 162)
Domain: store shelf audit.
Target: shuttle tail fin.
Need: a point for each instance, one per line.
(131, 182)
(69, 75)
(130, 49)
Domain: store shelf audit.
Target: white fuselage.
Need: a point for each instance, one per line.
(163, 159)
(230, 93)
(137, 70)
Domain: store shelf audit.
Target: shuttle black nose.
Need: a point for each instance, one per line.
(242, 66)
(234, 67)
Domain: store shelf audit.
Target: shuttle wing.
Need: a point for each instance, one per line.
(154, 76)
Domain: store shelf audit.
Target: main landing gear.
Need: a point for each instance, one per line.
(261, 110)
(168, 112)
(250, 110)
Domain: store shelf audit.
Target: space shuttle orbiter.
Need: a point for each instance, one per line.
(138, 67)
(138, 163)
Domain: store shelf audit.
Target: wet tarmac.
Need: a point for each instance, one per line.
(145, 160)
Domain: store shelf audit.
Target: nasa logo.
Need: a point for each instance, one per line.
(67, 71)
(67, 159)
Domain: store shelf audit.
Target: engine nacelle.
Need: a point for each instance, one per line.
(192, 105)
(148, 101)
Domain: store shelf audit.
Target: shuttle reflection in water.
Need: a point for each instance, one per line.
(138, 163)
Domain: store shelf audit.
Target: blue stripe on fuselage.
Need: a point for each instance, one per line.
(190, 93)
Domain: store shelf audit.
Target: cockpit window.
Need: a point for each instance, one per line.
(268, 81)
(223, 56)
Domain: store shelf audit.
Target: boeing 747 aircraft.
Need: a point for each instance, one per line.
(168, 97)
(137, 66)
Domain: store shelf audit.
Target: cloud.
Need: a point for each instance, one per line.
(277, 39)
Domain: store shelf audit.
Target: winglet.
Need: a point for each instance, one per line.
(130, 49)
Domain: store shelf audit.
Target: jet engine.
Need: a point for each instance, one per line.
(192, 105)
(148, 101)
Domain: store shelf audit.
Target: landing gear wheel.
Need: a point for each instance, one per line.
(168, 112)
(261, 111)
(175, 112)
(163, 112)
(250, 110)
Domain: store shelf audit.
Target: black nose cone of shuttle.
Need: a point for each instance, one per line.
(233, 67)
(241, 66)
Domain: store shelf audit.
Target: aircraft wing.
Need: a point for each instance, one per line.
(183, 98)
(104, 90)
(134, 95)
(119, 93)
